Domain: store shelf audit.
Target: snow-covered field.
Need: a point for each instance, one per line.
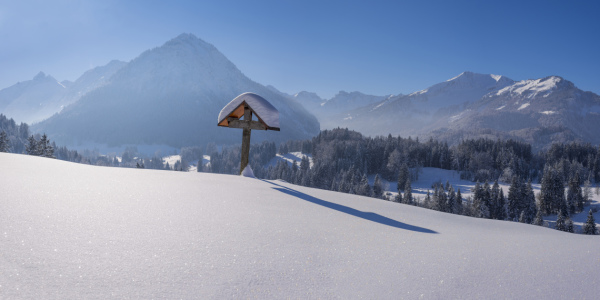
(289, 158)
(72, 231)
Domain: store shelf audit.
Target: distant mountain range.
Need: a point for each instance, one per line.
(471, 105)
(38, 99)
(170, 95)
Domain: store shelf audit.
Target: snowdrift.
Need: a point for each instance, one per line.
(72, 231)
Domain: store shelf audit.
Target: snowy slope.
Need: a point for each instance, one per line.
(71, 231)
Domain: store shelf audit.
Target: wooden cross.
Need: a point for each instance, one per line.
(246, 105)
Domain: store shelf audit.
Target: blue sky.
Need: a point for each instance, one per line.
(376, 47)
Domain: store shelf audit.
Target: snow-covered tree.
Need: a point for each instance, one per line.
(32, 146)
(364, 189)
(538, 220)
(560, 222)
(514, 198)
(4, 146)
(589, 227)
(570, 228)
(408, 198)
(44, 148)
(458, 203)
(403, 175)
(377, 187)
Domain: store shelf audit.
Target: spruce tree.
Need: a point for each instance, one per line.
(32, 146)
(589, 227)
(364, 189)
(458, 203)
(531, 207)
(572, 188)
(3, 142)
(408, 199)
(570, 228)
(514, 194)
(560, 222)
(377, 187)
(495, 201)
(451, 199)
(546, 191)
(538, 220)
(501, 214)
(403, 175)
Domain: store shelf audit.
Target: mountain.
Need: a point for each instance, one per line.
(328, 111)
(474, 105)
(171, 95)
(37, 99)
(91, 232)
(33, 100)
(540, 111)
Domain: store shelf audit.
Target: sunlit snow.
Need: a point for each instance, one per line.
(72, 231)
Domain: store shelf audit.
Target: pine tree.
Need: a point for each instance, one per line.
(495, 201)
(403, 175)
(514, 194)
(451, 199)
(427, 201)
(45, 149)
(546, 191)
(523, 217)
(571, 195)
(486, 199)
(440, 198)
(364, 189)
(579, 197)
(501, 214)
(531, 207)
(377, 187)
(32, 146)
(538, 220)
(590, 224)
(570, 228)
(560, 222)
(408, 199)
(4, 146)
(458, 203)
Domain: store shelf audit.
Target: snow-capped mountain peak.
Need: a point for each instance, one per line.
(532, 87)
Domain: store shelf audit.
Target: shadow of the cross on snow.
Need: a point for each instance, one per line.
(377, 218)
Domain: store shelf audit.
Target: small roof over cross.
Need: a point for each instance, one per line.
(266, 113)
(244, 106)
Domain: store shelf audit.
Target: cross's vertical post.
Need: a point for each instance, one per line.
(246, 139)
(238, 114)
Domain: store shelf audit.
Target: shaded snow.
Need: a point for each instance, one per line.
(72, 231)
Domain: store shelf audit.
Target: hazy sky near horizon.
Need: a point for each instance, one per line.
(376, 47)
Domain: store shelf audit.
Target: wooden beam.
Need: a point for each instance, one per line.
(245, 137)
(236, 123)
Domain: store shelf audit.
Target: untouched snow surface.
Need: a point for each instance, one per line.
(72, 231)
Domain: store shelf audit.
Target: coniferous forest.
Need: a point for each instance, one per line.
(342, 160)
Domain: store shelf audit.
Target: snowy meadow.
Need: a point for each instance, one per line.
(78, 231)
